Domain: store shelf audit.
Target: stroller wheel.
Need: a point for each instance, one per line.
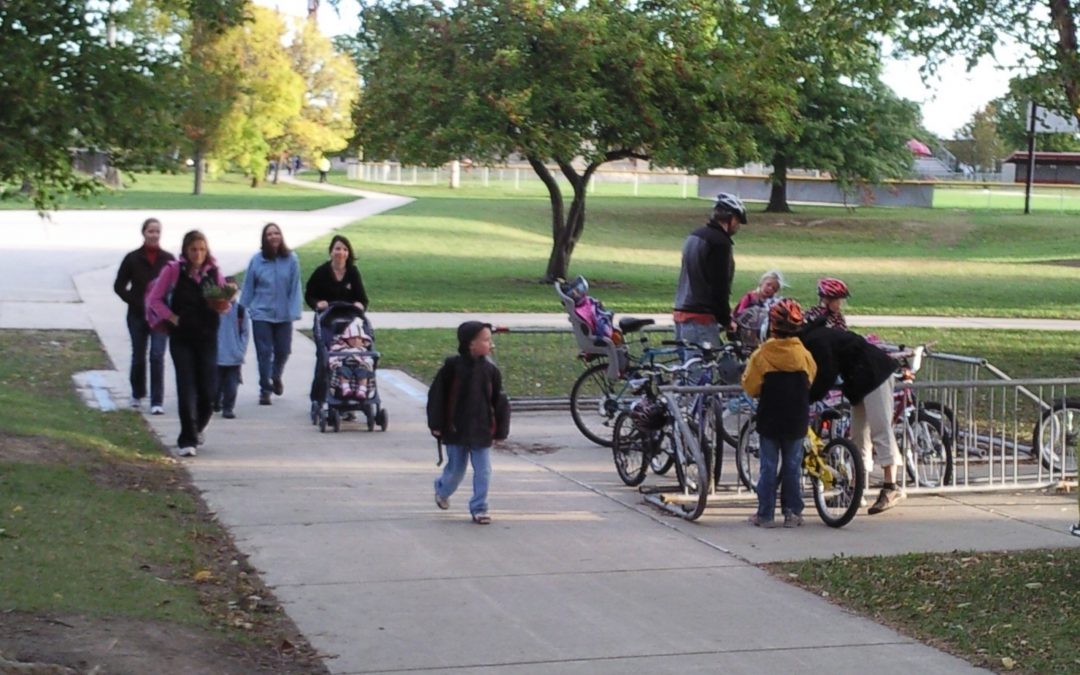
(382, 419)
(335, 420)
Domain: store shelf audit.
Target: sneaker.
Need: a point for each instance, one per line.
(279, 387)
(186, 452)
(228, 414)
(792, 520)
(886, 500)
(1075, 530)
(157, 410)
(135, 403)
(758, 521)
(217, 407)
(442, 502)
(264, 398)
(481, 519)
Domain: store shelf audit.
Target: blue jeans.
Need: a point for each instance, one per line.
(699, 333)
(141, 337)
(457, 458)
(228, 381)
(791, 501)
(273, 344)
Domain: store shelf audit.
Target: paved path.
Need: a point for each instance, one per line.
(576, 574)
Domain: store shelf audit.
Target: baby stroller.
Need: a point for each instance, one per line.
(334, 398)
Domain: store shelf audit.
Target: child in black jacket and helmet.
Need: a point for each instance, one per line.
(467, 411)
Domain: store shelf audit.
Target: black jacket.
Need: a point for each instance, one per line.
(863, 366)
(708, 266)
(466, 403)
(134, 275)
(322, 285)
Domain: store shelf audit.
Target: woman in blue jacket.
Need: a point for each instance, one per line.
(271, 296)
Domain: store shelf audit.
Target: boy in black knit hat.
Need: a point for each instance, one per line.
(467, 411)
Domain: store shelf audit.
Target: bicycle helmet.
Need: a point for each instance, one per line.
(648, 415)
(576, 289)
(828, 287)
(785, 317)
(729, 205)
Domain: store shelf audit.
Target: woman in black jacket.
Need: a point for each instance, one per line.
(868, 384)
(137, 270)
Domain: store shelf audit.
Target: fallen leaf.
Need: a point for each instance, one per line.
(203, 575)
(1007, 663)
(1033, 584)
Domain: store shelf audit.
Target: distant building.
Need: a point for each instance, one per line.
(1050, 167)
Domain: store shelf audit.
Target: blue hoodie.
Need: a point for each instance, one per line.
(272, 289)
(232, 337)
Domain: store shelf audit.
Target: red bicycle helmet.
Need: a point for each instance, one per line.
(828, 287)
(785, 317)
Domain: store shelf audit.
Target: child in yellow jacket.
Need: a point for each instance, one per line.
(779, 374)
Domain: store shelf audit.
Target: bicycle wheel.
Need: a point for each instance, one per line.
(838, 494)
(1055, 436)
(929, 455)
(692, 469)
(594, 403)
(748, 454)
(663, 457)
(713, 434)
(630, 449)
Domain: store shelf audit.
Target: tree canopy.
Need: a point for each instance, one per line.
(70, 84)
(568, 84)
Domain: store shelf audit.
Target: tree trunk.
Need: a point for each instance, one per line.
(559, 261)
(277, 167)
(198, 170)
(778, 195)
(1061, 16)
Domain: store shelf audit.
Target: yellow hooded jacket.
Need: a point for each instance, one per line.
(779, 374)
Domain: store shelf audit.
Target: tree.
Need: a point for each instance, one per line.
(331, 87)
(573, 84)
(268, 93)
(847, 122)
(1040, 35)
(65, 88)
(980, 146)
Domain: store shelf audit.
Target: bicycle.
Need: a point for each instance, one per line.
(602, 390)
(656, 425)
(832, 464)
(924, 430)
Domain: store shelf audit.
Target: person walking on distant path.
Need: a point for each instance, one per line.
(138, 269)
(271, 296)
(703, 296)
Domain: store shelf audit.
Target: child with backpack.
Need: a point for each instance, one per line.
(779, 374)
(467, 411)
(233, 332)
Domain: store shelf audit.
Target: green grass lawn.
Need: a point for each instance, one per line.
(1007, 611)
(478, 249)
(224, 191)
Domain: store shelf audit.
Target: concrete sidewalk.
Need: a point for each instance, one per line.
(575, 575)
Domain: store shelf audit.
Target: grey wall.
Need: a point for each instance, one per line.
(820, 191)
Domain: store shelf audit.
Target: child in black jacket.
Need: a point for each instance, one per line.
(467, 410)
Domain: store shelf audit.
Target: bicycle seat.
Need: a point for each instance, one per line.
(630, 324)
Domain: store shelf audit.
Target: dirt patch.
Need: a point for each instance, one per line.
(1064, 262)
(251, 632)
(117, 646)
(527, 448)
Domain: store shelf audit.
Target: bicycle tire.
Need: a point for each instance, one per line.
(692, 470)
(1055, 435)
(748, 454)
(664, 457)
(839, 505)
(594, 405)
(714, 434)
(929, 455)
(630, 449)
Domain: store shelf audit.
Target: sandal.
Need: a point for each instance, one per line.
(481, 519)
